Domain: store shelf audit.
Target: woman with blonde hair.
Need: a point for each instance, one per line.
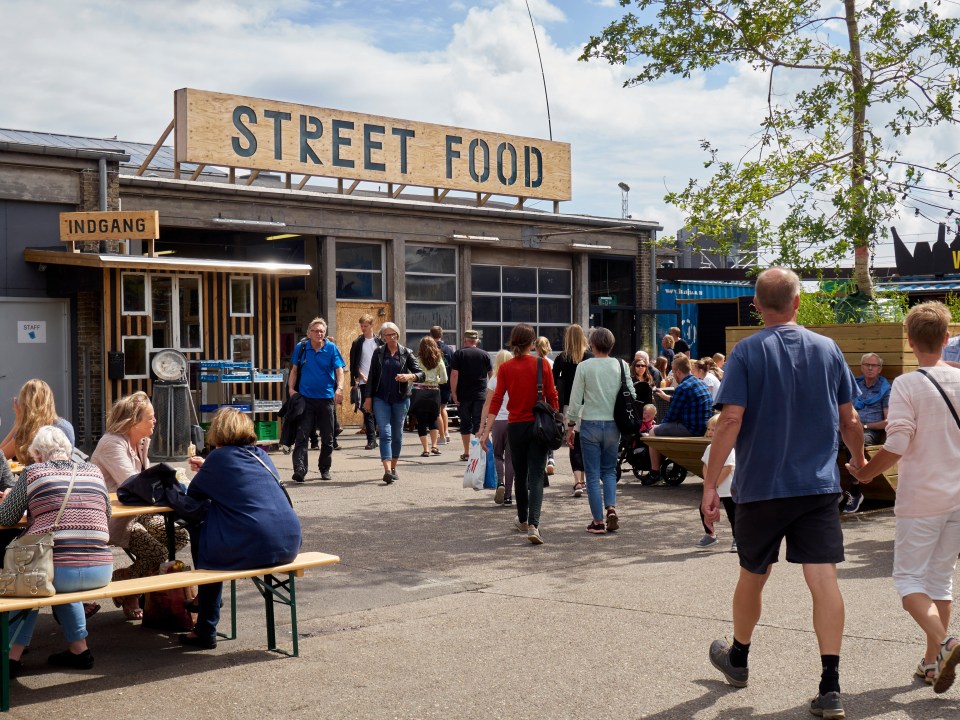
(575, 351)
(122, 452)
(33, 408)
(425, 402)
(498, 432)
(250, 523)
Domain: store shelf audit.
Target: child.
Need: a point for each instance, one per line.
(923, 436)
(649, 419)
(723, 490)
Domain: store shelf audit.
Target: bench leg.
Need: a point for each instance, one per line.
(277, 590)
(233, 613)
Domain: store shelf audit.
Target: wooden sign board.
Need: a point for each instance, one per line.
(242, 132)
(138, 225)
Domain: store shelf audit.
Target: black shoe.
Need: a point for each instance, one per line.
(83, 661)
(198, 642)
(326, 475)
(336, 445)
(372, 445)
(297, 477)
(314, 446)
(388, 478)
(338, 431)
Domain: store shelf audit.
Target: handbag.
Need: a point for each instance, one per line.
(548, 425)
(28, 560)
(475, 472)
(625, 411)
(171, 610)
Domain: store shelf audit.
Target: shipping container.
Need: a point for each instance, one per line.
(706, 309)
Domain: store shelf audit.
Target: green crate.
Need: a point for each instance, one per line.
(267, 430)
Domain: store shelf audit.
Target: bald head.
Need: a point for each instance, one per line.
(776, 290)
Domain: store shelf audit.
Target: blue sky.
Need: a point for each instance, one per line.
(107, 68)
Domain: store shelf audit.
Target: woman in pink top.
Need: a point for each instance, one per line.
(923, 435)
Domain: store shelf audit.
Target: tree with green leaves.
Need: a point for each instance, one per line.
(830, 155)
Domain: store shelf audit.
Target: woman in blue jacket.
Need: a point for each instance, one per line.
(250, 523)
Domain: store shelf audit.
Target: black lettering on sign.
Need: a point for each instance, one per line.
(241, 113)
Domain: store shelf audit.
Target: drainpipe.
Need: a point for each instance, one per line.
(102, 162)
(653, 291)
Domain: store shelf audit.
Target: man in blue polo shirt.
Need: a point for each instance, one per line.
(317, 374)
(785, 394)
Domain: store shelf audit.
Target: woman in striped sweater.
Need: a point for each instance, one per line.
(81, 558)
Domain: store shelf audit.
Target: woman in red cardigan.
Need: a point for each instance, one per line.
(518, 378)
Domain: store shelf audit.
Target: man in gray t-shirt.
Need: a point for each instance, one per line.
(785, 393)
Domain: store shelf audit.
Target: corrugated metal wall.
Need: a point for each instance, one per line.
(668, 292)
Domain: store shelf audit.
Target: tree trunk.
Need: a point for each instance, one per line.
(858, 186)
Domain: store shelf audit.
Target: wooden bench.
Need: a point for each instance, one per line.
(271, 583)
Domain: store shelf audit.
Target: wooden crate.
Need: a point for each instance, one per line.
(888, 340)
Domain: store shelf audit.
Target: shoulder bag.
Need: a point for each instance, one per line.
(28, 560)
(272, 473)
(625, 411)
(548, 425)
(943, 394)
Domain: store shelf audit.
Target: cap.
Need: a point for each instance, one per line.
(472, 335)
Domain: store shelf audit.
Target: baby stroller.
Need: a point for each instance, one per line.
(635, 453)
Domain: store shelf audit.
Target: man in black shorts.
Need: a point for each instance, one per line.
(470, 369)
(785, 393)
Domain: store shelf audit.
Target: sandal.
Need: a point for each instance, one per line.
(927, 671)
(90, 609)
(435, 450)
(578, 489)
(424, 454)
(596, 528)
(947, 660)
(465, 457)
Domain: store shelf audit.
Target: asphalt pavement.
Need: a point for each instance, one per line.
(439, 609)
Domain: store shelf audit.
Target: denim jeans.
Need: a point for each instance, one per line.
(529, 457)
(72, 621)
(208, 610)
(390, 418)
(600, 444)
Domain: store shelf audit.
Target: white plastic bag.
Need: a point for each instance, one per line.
(476, 467)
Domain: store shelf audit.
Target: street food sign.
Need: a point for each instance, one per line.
(135, 225)
(242, 132)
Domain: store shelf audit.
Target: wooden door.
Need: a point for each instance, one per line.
(348, 327)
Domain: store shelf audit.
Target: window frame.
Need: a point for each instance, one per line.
(175, 311)
(456, 291)
(148, 350)
(382, 272)
(146, 292)
(253, 347)
(248, 280)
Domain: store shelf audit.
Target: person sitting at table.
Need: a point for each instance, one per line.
(251, 522)
(81, 558)
(122, 452)
(33, 408)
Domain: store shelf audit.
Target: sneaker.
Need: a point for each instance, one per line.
(394, 473)
(388, 478)
(285, 449)
(67, 659)
(442, 441)
(705, 542)
(596, 527)
(828, 705)
(297, 478)
(613, 522)
(733, 546)
(946, 665)
(326, 475)
(198, 642)
(533, 535)
(720, 659)
(578, 489)
(550, 468)
(852, 504)
(520, 526)
(499, 495)
(508, 501)
(372, 445)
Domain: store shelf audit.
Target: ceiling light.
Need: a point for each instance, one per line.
(283, 236)
(475, 238)
(256, 223)
(588, 246)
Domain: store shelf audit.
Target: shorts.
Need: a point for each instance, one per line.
(925, 555)
(469, 412)
(670, 429)
(446, 397)
(810, 524)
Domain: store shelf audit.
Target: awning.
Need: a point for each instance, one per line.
(939, 286)
(165, 262)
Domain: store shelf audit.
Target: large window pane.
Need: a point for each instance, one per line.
(189, 296)
(612, 278)
(161, 304)
(554, 282)
(359, 285)
(241, 296)
(555, 310)
(359, 256)
(489, 337)
(241, 348)
(426, 315)
(134, 293)
(425, 287)
(486, 278)
(425, 259)
(519, 280)
(135, 356)
(520, 309)
(486, 308)
(554, 333)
